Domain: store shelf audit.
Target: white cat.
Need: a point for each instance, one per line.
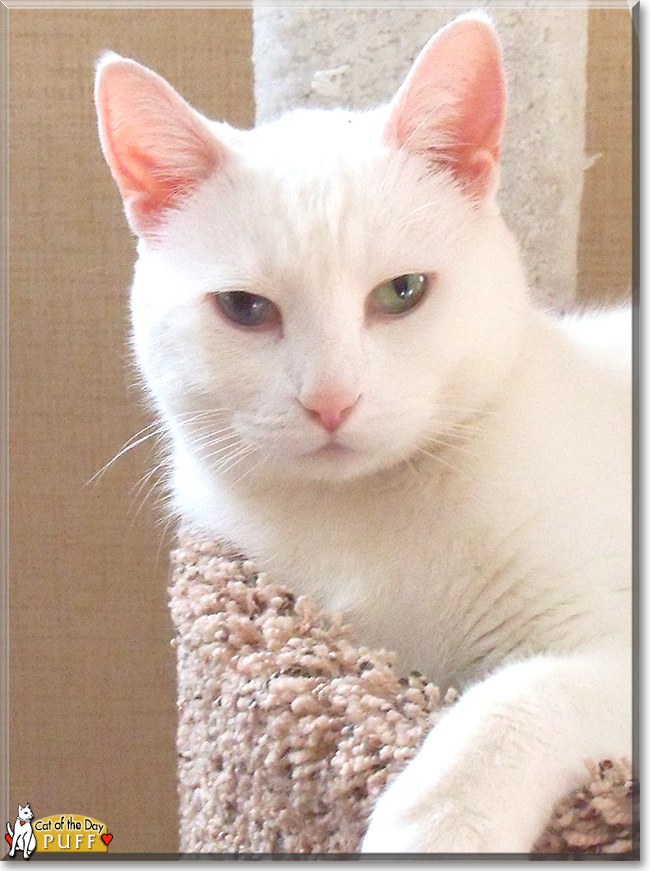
(332, 319)
(22, 837)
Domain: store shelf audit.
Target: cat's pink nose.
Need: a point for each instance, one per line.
(329, 410)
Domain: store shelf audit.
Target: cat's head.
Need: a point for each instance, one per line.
(325, 294)
(25, 813)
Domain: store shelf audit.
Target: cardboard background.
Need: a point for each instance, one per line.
(91, 692)
(91, 670)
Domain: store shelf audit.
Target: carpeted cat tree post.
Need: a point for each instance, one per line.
(288, 731)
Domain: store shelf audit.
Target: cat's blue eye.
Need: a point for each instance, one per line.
(247, 309)
(400, 294)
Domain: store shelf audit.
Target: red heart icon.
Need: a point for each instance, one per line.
(9, 838)
(107, 838)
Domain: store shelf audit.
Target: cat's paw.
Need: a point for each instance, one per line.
(417, 828)
(414, 816)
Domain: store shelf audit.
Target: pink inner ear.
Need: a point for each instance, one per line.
(483, 105)
(158, 148)
(451, 107)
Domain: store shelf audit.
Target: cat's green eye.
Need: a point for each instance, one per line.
(400, 294)
(247, 309)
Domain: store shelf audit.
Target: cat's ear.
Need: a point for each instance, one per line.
(451, 108)
(157, 146)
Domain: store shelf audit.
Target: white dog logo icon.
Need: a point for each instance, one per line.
(22, 838)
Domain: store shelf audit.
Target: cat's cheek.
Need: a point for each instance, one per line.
(190, 365)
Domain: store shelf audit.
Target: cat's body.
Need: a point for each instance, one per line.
(447, 466)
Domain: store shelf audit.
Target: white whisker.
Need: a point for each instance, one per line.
(142, 483)
(127, 447)
(253, 468)
(157, 485)
(171, 519)
(466, 429)
(207, 441)
(233, 448)
(466, 409)
(413, 468)
(439, 459)
(232, 460)
(157, 429)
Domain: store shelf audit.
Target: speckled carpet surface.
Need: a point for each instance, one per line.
(288, 731)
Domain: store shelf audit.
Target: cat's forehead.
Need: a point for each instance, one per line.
(310, 152)
(311, 135)
(332, 193)
(316, 198)
(310, 186)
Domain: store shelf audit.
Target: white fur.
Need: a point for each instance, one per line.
(499, 561)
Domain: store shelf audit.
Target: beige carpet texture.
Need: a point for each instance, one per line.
(288, 731)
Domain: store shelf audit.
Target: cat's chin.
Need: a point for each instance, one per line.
(333, 450)
(333, 463)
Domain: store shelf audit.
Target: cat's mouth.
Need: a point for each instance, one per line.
(332, 449)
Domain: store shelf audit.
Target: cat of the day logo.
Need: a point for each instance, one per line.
(59, 833)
